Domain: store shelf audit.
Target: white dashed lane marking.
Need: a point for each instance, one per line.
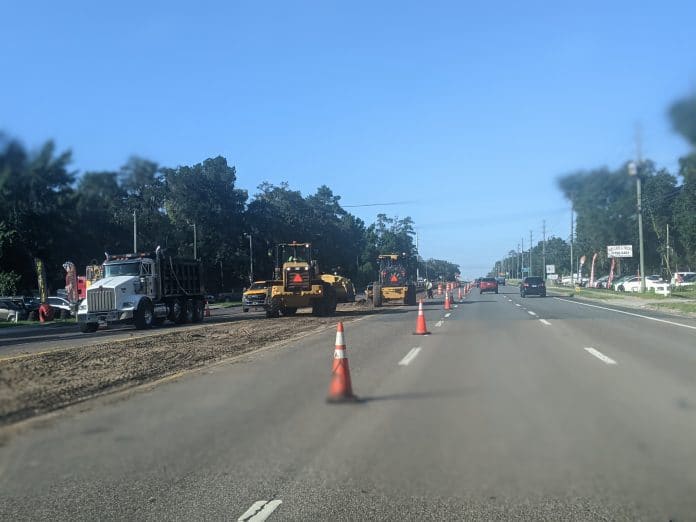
(544, 321)
(447, 315)
(531, 313)
(439, 323)
(518, 304)
(599, 355)
(260, 511)
(410, 356)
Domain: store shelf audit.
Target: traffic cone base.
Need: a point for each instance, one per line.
(340, 389)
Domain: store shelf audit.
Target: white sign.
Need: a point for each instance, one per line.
(550, 269)
(620, 251)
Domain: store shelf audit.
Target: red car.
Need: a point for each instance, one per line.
(488, 284)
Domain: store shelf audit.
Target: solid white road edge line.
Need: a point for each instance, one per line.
(629, 313)
(599, 355)
(544, 321)
(531, 313)
(409, 356)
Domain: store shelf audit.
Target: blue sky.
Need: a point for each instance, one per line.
(462, 111)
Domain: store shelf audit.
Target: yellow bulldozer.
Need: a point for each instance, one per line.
(345, 290)
(394, 285)
(302, 285)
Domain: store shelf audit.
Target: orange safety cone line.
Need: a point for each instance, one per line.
(448, 305)
(421, 329)
(340, 389)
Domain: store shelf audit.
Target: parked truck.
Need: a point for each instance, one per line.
(145, 290)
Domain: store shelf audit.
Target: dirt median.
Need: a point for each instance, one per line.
(39, 383)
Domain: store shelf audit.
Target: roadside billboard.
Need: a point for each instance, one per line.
(619, 251)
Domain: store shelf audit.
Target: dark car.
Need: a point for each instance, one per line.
(11, 311)
(533, 286)
(488, 284)
(30, 305)
(501, 280)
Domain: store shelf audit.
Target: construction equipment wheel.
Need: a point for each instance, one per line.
(273, 309)
(376, 295)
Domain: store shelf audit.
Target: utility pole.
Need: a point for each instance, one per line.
(633, 171)
(417, 259)
(135, 234)
(519, 266)
(572, 234)
(543, 248)
(669, 270)
(522, 256)
(195, 250)
(530, 252)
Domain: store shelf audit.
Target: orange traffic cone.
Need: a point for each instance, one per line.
(340, 389)
(207, 310)
(421, 329)
(448, 305)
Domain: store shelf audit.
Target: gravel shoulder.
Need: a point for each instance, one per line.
(38, 383)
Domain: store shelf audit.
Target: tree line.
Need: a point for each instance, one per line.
(605, 204)
(51, 212)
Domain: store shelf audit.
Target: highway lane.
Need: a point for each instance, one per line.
(498, 415)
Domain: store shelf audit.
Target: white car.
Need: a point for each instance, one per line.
(683, 279)
(632, 284)
(62, 306)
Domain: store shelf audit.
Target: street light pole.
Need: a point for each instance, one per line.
(633, 171)
(251, 259)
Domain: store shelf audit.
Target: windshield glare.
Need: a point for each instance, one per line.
(122, 269)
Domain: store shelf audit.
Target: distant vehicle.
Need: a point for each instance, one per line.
(682, 278)
(63, 310)
(11, 311)
(488, 284)
(210, 298)
(255, 296)
(687, 280)
(501, 280)
(632, 284)
(601, 282)
(477, 282)
(532, 285)
(368, 292)
(29, 304)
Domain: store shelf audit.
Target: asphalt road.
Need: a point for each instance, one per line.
(550, 410)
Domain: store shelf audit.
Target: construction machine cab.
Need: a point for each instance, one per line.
(391, 270)
(298, 268)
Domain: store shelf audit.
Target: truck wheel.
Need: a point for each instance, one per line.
(198, 310)
(89, 327)
(175, 311)
(144, 315)
(376, 295)
(187, 308)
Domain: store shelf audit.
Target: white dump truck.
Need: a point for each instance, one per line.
(144, 290)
